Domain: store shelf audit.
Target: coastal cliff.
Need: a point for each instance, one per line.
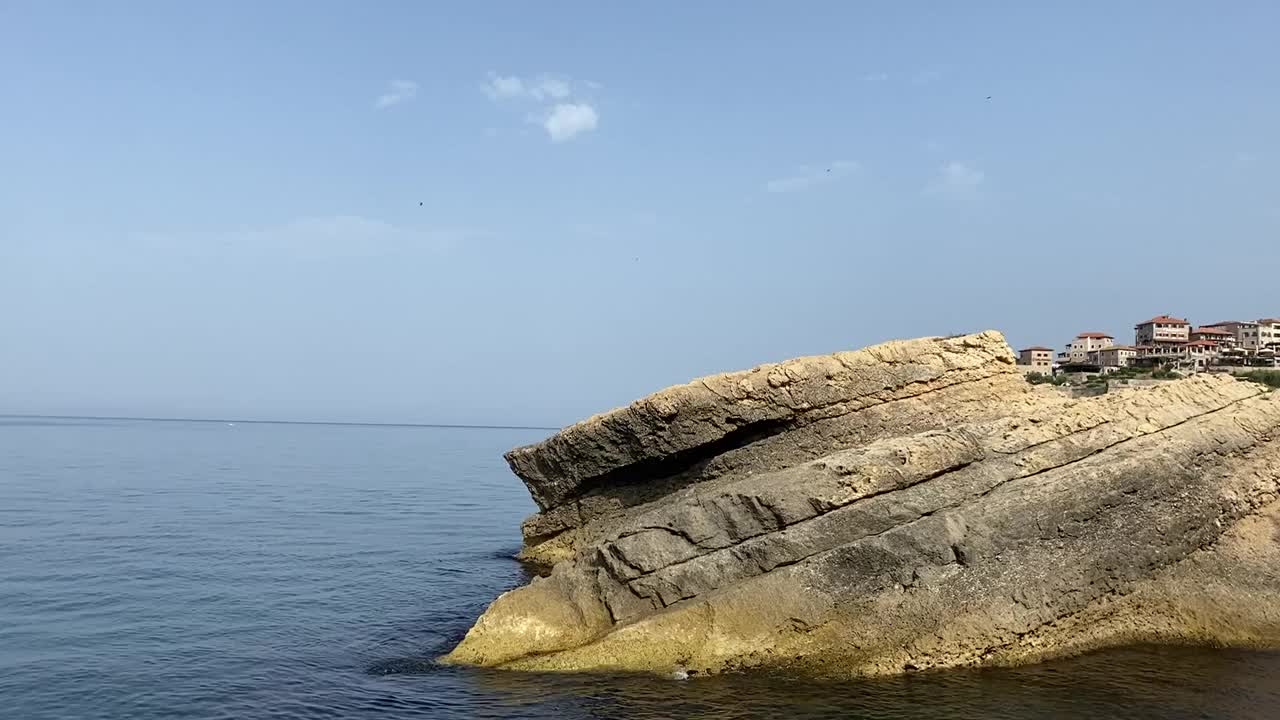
(912, 505)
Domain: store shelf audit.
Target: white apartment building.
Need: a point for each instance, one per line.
(1269, 333)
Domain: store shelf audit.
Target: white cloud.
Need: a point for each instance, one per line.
(556, 109)
(397, 92)
(569, 119)
(955, 177)
(876, 77)
(551, 87)
(808, 177)
(501, 87)
(542, 88)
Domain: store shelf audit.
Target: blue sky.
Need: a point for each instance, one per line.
(529, 212)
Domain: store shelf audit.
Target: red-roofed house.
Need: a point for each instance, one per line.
(1162, 330)
(1200, 352)
(1194, 354)
(1220, 335)
(1085, 343)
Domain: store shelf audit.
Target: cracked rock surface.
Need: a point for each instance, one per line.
(907, 506)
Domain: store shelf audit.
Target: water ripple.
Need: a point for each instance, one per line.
(175, 570)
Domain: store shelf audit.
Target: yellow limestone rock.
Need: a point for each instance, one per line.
(912, 505)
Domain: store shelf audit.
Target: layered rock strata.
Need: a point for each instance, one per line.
(912, 505)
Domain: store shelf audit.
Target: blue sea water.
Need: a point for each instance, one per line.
(204, 570)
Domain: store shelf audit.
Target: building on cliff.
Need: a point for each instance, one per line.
(1244, 343)
(1077, 354)
(1037, 359)
(1085, 343)
(1244, 334)
(1269, 334)
(1113, 356)
(1162, 331)
(1224, 338)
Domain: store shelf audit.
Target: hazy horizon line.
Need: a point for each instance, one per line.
(463, 426)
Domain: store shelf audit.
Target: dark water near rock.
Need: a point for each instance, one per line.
(200, 570)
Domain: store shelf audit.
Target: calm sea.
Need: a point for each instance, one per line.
(206, 570)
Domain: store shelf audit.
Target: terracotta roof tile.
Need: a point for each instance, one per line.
(1165, 320)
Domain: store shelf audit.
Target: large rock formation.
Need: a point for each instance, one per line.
(911, 505)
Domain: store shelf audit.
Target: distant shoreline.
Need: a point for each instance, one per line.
(278, 422)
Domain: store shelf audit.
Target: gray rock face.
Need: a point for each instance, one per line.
(911, 505)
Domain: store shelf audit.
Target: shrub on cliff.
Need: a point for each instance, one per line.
(1270, 378)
